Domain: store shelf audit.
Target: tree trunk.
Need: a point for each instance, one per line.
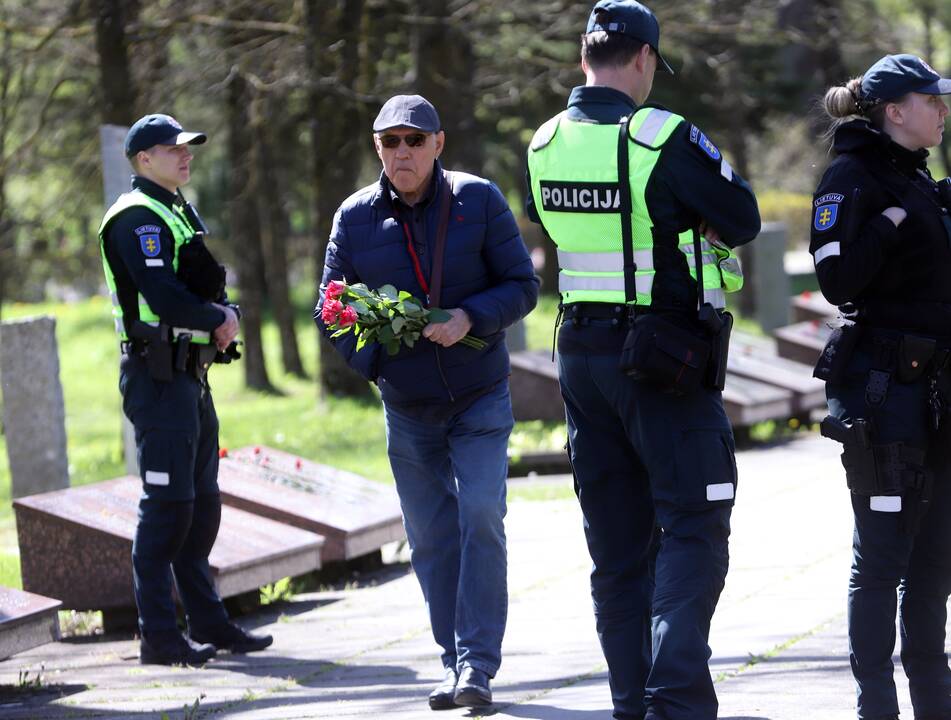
(116, 86)
(275, 230)
(244, 232)
(444, 68)
(338, 142)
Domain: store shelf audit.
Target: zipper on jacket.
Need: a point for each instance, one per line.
(452, 398)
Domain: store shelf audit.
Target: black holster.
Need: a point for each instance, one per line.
(659, 350)
(720, 326)
(837, 352)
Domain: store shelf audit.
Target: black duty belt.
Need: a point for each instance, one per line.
(601, 311)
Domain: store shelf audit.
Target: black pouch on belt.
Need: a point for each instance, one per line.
(658, 350)
(836, 353)
(914, 357)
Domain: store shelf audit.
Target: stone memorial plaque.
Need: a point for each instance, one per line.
(534, 386)
(802, 341)
(34, 417)
(355, 515)
(76, 545)
(812, 306)
(808, 393)
(26, 621)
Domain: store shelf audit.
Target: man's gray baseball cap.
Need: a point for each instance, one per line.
(410, 111)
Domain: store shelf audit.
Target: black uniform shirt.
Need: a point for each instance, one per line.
(688, 185)
(886, 276)
(139, 267)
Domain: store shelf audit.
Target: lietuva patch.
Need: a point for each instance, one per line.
(149, 239)
(583, 197)
(704, 144)
(827, 211)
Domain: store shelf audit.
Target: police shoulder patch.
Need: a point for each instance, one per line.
(826, 211)
(703, 144)
(149, 240)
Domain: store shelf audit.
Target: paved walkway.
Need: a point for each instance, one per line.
(779, 646)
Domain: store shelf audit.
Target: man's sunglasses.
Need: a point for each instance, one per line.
(414, 140)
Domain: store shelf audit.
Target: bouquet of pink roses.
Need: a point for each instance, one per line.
(386, 316)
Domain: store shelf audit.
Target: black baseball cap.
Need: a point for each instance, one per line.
(411, 111)
(897, 75)
(158, 129)
(628, 17)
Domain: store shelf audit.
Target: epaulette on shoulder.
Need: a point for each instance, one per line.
(545, 133)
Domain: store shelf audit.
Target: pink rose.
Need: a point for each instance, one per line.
(335, 289)
(348, 316)
(330, 311)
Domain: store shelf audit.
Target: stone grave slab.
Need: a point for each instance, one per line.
(26, 621)
(802, 341)
(808, 393)
(355, 515)
(534, 386)
(76, 545)
(747, 401)
(812, 306)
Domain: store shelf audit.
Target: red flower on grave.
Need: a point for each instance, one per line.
(330, 311)
(222, 452)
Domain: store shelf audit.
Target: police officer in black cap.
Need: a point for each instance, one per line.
(644, 210)
(881, 241)
(173, 319)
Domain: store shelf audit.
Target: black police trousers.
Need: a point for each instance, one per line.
(893, 569)
(655, 476)
(176, 435)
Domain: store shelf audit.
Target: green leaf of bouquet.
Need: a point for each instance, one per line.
(389, 292)
(360, 306)
(410, 339)
(405, 295)
(438, 315)
(398, 323)
(386, 334)
(392, 347)
(341, 331)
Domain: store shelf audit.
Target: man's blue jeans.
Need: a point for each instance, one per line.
(450, 477)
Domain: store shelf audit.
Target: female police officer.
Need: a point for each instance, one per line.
(881, 240)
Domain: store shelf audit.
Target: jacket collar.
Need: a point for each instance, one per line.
(860, 136)
(383, 194)
(154, 190)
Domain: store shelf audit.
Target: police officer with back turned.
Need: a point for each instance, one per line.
(173, 320)
(644, 210)
(881, 240)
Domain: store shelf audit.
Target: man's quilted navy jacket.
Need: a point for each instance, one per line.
(486, 271)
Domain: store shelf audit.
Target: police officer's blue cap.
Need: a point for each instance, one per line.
(630, 18)
(409, 111)
(158, 129)
(895, 76)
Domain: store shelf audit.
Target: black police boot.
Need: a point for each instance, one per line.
(443, 695)
(172, 648)
(231, 637)
(473, 688)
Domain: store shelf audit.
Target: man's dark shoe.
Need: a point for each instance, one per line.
(232, 638)
(443, 695)
(173, 648)
(472, 690)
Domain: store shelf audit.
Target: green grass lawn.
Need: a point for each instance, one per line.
(336, 431)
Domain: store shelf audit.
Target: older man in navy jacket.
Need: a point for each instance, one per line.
(448, 410)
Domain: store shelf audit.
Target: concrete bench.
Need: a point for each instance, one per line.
(808, 393)
(355, 515)
(26, 621)
(812, 306)
(76, 545)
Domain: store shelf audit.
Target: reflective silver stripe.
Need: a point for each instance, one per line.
(731, 265)
(717, 297)
(120, 327)
(115, 298)
(651, 126)
(709, 259)
(725, 169)
(826, 251)
(602, 262)
(611, 283)
(196, 334)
